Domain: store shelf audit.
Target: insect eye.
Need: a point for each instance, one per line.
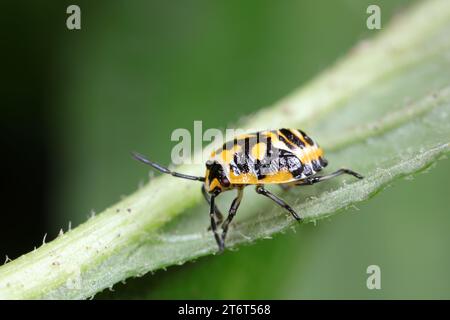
(225, 182)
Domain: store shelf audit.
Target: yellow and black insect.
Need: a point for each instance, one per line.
(288, 157)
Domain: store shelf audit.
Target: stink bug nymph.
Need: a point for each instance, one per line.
(288, 157)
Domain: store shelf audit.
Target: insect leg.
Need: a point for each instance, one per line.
(232, 213)
(219, 215)
(316, 179)
(214, 225)
(162, 169)
(280, 202)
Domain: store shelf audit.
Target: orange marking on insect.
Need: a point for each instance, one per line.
(309, 154)
(213, 184)
(259, 151)
(243, 178)
(271, 135)
(278, 177)
(281, 176)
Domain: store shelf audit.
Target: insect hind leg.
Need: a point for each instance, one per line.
(261, 190)
(316, 179)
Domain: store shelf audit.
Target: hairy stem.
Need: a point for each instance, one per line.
(383, 110)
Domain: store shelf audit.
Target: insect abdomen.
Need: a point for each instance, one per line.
(277, 156)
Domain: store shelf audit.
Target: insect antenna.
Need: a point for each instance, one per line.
(162, 169)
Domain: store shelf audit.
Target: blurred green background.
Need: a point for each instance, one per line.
(76, 103)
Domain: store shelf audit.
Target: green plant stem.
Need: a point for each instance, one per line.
(137, 234)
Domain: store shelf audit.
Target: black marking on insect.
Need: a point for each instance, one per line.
(288, 157)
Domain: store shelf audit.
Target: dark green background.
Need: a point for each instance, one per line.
(78, 101)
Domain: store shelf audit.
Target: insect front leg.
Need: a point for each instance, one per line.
(316, 179)
(214, 225)
(260, 190)
(232, 213)
(219, 215)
